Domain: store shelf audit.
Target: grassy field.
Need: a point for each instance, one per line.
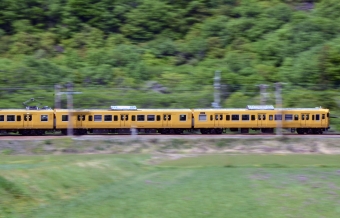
(203, 186)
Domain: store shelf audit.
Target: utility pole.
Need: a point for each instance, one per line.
(278, 87)
(69, 107)
(217, 87)
(263, 93)
(69, 93)
(57, 94)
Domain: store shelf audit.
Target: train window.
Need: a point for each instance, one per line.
(10, 117)
(81, 118)
(302, 117)
(327, 114)
(107, 117)
(227, 117)
(235, 117)
(124, 117)
(169, 117)
(245, 117)
(140, 118)
(278, 116)
(97, 118)
(18, 118)
(211, 117)
(307, 116)
(164, 117)
(44, 118)
(221, 117)
(296, 117)
(317, 117)
(313, 117)
(182, 117)
(252, 117)
(216, 116)
(323, 116)
(115, 118)
(202, 117)
(90, 118)
(27, 117)
(64, 117)
(288, 116)
(158, 117)
(151, 117)
(270, 117)
(262, 117)
(2, 118)
(133, 117)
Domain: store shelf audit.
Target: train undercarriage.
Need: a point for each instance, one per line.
(165, 131)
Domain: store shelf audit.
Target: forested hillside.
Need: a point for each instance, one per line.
(164, 53)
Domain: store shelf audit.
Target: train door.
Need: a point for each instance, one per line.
(261, 120)
(323, 119)
(28, 120)
(124, 120)
(305, 120)
(218, 120)
(80, 119)
(167, 120)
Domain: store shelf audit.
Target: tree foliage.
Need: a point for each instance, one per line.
(177, 44)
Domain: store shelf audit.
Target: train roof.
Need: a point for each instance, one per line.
(138, 110)
(25, 110)
(275, 109)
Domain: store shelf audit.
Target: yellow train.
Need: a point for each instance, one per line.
(121, 119)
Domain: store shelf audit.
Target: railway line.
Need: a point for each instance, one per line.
(8, 137)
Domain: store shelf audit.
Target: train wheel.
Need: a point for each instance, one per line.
(244, 130)
(309, 131)
(212, 131)
(218, 131)
(40, 132)
(25, 132)
(178, 131)
(300, 131)
(204, 131)
(33, 132)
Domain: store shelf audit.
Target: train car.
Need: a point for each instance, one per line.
(26, 122)
(264, 118)
(121, 119)
(77, 122)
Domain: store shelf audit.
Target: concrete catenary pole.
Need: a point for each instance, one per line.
(69, 107)
(57, 94)
(217, 89)
(263, 93)
(278, 87)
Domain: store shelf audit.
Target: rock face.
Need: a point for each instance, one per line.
(306, 6)
(155, 86)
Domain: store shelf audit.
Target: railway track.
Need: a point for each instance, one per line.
(160, 136)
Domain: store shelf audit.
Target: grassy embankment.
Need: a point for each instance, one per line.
(127, 185)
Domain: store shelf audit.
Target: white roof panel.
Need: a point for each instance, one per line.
(123, 108)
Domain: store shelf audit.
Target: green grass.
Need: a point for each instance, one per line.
(126, 186)
(264, 160)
